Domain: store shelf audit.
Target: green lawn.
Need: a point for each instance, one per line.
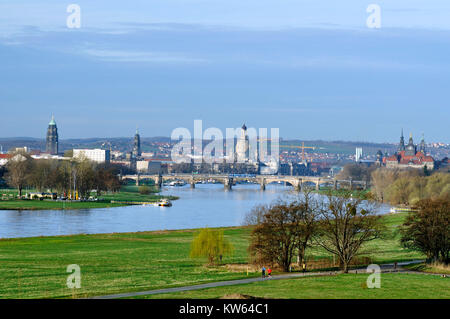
(113, 263)
(127, 194)
(19, 204)
(131, 193)
(348, 286)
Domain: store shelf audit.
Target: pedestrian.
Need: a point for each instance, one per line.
(263, 271)
(304, 267)
(395, 265)
(269, 272)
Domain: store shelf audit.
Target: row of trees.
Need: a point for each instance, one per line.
(408, 187)
(342, 226)
(64, 177)
(284, 230)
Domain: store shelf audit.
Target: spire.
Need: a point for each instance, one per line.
(401, 146)
(52, 122)
(422, 144)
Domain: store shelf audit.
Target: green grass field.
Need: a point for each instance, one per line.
(128, 193)
(19, 204)
(343, 286)
(112, 263)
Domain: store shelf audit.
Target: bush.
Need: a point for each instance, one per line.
(145, 190)
(211, 244)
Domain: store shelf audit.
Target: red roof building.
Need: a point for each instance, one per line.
(408, 156)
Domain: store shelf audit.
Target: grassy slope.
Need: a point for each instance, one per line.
(348, 286)
(111, 263)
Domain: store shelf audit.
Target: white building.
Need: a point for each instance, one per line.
(142, 166)
(358, 154)
(95, 155)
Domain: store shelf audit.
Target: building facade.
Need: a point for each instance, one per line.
(410, 156)
(95, 155)
(51, 146)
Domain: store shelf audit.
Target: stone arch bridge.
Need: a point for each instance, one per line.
(298, 182)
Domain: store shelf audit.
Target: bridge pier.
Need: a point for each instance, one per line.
(298, 186)
(228, 184)
(137, 180)
(317, 185)
(158, 181)
(335, 184)
(263, 185)
(351, 184)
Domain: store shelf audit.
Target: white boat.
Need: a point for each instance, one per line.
(164, 203)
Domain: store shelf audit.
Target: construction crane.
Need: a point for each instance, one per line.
(302, 147)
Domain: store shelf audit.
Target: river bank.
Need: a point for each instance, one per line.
(112, 263)
(128, 195)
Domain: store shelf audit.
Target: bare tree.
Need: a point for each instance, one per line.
(274, 238)
(306, 209)
(346, 224)
(18, 171)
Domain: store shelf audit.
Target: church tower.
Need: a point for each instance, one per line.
(422, 145)
(51, 146)
(410, 148)
(137, 145)
(401, 146)
(242, 146)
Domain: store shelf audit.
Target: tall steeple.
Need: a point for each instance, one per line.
(422, 145)
(401, 146)
(137, 144)
(51, 145)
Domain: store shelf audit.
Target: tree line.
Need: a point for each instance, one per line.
(342, 226)
(64, 177)
(408, 187)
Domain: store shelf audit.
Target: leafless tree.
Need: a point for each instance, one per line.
(346, 224)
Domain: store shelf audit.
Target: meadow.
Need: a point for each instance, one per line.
(125, 262)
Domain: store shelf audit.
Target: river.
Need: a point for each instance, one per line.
(206, 205)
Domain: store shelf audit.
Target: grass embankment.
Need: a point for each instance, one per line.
(126, 196)
(343, 286)
(356, 193)
(114, 263)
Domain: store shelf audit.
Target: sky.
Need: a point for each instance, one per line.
(313, 69)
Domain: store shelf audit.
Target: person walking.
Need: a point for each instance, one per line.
(269, 272)
(263, 272)
(304, 267)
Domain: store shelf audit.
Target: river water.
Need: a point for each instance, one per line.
(206, 205)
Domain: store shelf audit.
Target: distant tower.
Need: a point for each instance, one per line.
(401, 146)
(52, 138)
(410, 148)
(422, 145)
(242, 146)
(137, 145)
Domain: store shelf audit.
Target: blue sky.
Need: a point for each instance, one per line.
(311, 68)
